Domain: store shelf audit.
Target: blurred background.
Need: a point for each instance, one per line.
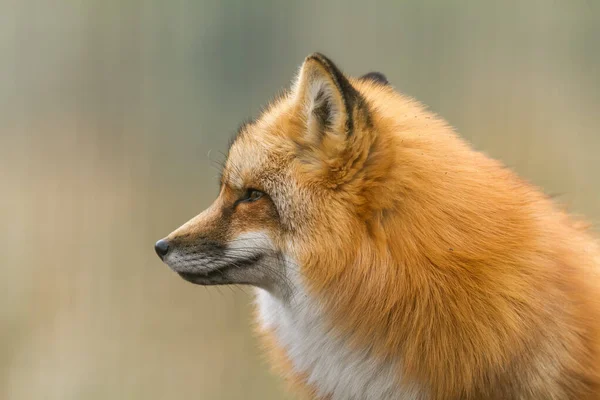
(108, 110)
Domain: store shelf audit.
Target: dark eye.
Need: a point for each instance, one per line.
(251, 195)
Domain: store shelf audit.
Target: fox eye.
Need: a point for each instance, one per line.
(251, 195)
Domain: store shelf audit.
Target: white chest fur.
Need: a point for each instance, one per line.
(331, 367)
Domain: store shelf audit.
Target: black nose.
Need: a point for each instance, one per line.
(162, 248)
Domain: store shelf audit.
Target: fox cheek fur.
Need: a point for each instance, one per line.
(391, 260)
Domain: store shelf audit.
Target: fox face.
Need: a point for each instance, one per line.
(290, 183)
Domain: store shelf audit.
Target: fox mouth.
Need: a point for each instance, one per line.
(222, 275)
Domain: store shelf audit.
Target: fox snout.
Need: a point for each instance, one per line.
(201, 260)
(219, 247)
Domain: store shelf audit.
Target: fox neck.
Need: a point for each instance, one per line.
(328, 363)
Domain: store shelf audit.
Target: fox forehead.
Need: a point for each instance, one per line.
(245, 162)
(262, 150)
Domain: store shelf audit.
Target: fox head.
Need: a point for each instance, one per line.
(298, 183)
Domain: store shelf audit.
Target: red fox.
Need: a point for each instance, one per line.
(390, 259)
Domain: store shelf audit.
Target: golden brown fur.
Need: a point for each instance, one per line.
(436, 256)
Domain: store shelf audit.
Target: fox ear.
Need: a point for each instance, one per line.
(327, 100)
(375, 77)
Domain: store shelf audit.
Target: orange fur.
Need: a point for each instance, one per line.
(421, 249)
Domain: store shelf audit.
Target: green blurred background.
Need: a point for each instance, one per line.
(108, 110)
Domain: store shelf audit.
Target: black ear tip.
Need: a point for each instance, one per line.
(321, 59)
(376, 77)
(315, 54)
